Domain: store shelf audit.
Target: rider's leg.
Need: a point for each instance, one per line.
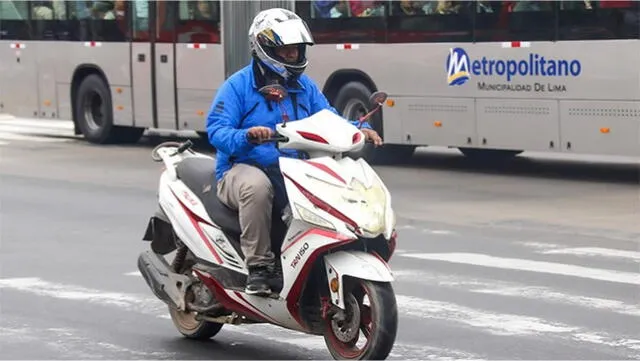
(249, 190)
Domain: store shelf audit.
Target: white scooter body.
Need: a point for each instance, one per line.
(334, 201)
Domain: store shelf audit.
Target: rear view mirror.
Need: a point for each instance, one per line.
(377, 98)
(274, 92)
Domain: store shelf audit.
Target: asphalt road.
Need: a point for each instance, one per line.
(535, 259)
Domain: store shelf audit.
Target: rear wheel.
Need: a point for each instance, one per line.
(367, 328)
(186, 322)
(190, 327)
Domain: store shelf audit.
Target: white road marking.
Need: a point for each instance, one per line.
(509, 289)
(595, 252)
(538, 245)
(519, 264)
(32, 138)
(34, 130)
(72, 344)
(26, 123)
(156, 308)
(508, 324)
(425, 230)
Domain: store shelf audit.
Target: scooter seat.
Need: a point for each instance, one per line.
(199, 175)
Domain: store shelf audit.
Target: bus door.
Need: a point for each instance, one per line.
(153, 64)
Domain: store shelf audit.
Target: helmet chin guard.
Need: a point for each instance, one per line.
(275, 28)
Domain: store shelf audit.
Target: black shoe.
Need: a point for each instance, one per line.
(275, 278)
(258, 281)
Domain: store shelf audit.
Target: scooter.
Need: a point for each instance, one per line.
(333, 243)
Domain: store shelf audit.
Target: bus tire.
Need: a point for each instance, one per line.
(352, 101)
(94, 114)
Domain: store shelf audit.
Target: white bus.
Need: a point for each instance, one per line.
(486, 77)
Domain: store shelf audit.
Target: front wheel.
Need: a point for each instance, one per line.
(366, 329)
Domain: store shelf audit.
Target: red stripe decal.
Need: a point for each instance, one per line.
(327, 170)
(294, 294)
(249, 305)
(194, 218)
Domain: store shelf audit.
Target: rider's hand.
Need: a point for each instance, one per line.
(372, 136)
(259, 134)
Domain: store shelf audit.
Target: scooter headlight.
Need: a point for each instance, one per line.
(365, 206)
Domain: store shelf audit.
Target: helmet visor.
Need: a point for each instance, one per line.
(286, 33)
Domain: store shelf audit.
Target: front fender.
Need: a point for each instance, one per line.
(356, 264)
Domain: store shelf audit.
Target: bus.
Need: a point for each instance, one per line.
(490, 78)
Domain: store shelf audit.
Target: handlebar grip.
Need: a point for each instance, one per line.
(278, 138)
(275, 138)
(184, 146)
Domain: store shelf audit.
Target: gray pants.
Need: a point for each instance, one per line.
(247, 189)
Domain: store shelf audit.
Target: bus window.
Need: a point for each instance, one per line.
(198, 22)
(140, 21)
(14, 20)
(592, 20)
(430, 21)
(524, 20)
(345, 21)
(92, 20)
(48, 19)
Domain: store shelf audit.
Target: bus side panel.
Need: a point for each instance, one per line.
(394, 132)
(112, 59)
(436, 121)
(20, 76)
(518, 124)
(47, 57)
(600, 127)
(142, 89)
(165, 86)
(63, 92)
(196, 89)
(4, 64)
(64, 68)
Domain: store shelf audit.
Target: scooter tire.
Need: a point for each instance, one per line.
(383, 316)
(191, 328)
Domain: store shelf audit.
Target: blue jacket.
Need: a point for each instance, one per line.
(239, 106)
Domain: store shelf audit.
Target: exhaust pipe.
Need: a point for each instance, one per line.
(168, 286)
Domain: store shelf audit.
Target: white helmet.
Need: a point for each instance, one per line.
(279, 27)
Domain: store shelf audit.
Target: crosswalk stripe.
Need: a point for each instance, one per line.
(32, 138)
(483, 260)
(508, 324)
(72, 343)
(30, 124)
(153, 307)
(595, 252)
(37, 131)
(512, 289)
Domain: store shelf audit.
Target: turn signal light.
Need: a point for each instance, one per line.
(604, 130)
(335, 286)
(437, 123)
(390, 102)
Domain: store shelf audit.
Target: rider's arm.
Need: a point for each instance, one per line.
(319, 102)
(223, 121)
